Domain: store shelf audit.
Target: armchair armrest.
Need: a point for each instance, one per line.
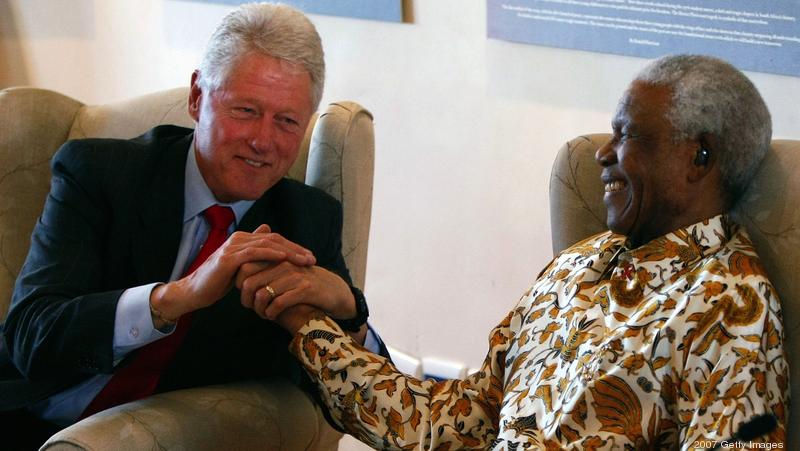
(269, 414)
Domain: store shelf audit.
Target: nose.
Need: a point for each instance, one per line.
(606, 155)
(262, 136)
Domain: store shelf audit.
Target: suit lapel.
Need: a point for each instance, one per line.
(160, 209)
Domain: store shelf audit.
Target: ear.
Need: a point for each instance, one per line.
(195, 96)
(703, 153)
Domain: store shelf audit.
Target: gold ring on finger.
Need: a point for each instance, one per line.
(269, 290)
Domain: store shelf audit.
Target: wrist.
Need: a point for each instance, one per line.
(360, 335)
(294, 318)
(355, 323)
(347, 308)
(164, 306)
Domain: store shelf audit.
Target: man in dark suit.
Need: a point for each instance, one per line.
(123, 293)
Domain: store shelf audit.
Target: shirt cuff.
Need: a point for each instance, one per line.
(133, 323)
(372, 342)
(318, 326)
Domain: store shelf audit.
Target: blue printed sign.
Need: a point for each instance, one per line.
(386, 10)
(761, 36)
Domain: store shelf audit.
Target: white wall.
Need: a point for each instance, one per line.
(466, 130)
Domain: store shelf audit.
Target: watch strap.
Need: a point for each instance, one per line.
(362, 313)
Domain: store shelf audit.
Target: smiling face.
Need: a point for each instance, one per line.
(645, 173)
(250, 128)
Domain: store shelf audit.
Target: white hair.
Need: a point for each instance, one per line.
(711, 96)
(274, 30)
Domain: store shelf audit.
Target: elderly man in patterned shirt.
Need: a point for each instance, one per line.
(662, 333)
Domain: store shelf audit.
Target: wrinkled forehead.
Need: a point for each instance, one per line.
(623, 106)
(243, 64)
(642, 98)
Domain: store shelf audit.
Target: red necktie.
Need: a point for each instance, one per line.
(140, 378)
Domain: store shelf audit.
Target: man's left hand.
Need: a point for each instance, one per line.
(293, 285)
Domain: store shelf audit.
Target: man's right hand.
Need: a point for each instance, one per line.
(214, 278)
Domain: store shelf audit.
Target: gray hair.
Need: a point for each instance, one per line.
(274, 30)
(711, 96)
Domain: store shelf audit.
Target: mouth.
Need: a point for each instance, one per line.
(255, 163)
(612, 186)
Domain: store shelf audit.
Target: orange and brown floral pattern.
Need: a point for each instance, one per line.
(667, 346)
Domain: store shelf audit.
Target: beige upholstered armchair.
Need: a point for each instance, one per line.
(337, 156)
(769, 210)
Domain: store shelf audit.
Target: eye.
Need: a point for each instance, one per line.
(288, 123)
(617, 136)
(243, 111)
(288, 120)
(625, 135)
(616, 131)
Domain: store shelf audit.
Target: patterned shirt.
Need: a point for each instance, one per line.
(670, 345)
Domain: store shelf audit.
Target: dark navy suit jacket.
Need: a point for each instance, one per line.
(113, 220)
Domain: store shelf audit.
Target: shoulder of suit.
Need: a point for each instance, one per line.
(120, 165)
(88, 152)
(160, 136)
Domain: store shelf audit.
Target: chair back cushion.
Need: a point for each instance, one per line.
(768, 209)
(33, 124)
(341, 159)
(133, 117)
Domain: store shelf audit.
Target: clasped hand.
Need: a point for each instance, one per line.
(251, 261)
(291, 285)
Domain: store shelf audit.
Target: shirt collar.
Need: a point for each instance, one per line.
(667, 258)
(198, 195)
(662, 258)
(686, 244)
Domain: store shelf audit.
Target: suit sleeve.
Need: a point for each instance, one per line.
(387, 409)
(59, 320)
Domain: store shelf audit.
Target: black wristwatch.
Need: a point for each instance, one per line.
(362, 313)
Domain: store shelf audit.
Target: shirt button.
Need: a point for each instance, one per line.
(134, 332)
